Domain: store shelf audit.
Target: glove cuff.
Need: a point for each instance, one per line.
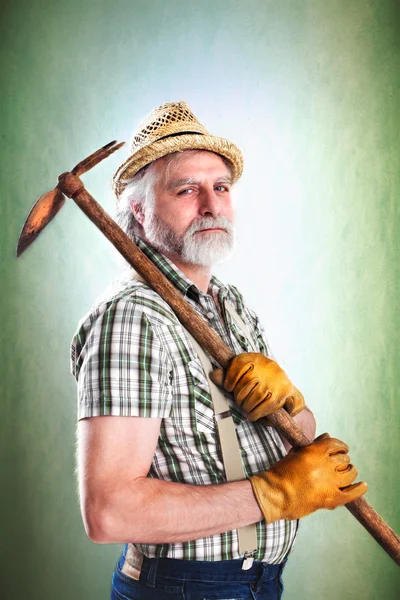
(268, 498)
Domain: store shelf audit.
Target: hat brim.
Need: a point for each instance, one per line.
(178, 143)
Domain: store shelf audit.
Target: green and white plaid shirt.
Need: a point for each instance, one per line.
(132, 357)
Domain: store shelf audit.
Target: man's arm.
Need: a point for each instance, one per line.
(120, 504)
(306, 421)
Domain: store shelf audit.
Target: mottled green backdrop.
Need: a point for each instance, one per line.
(310, 90)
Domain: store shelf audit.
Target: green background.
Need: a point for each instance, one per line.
(310, 91)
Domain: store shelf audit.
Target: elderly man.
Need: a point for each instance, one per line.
(200, 516)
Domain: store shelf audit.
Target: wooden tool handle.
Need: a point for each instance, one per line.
(73, 187)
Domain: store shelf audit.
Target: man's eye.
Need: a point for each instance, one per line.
(221, 188)
(185, 192)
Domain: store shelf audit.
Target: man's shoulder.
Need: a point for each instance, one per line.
(129, 296)
(236, 298)
(248, 314)
(125, 307)
(234, 291)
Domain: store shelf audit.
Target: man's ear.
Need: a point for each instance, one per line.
(138, 212)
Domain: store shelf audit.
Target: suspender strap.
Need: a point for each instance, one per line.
(241, 324)
(226, 429)
(229, 446)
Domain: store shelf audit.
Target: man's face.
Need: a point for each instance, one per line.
(192, 216)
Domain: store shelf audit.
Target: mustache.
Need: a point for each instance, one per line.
(210, 223)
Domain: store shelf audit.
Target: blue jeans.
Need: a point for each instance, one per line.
(168, 579)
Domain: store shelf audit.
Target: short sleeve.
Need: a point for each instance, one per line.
(120, 365)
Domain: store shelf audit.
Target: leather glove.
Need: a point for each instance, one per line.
(259, 385)
(316, 476)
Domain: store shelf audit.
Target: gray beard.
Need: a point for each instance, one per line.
(205, 249)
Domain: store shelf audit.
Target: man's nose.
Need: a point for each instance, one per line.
(209, 203)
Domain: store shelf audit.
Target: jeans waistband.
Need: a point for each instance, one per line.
(193, 570)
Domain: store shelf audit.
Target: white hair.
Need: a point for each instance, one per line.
(140, 191)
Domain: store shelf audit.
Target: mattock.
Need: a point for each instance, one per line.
(48, 205)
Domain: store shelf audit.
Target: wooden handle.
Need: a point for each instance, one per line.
(73, 187)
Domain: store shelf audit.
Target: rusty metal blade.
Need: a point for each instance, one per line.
(48, 205)
(43, 211)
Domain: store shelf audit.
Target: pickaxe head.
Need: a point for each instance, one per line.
(48, 205)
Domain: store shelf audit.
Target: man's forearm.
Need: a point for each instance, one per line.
(152, 511)
(306, 421)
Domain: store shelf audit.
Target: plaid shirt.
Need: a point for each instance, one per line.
(131, 356)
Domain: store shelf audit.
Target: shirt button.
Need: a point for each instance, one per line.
(210, 315)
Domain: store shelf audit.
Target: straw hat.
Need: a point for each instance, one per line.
(172, 127)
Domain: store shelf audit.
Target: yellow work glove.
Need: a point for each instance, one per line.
(307, 479)
(259, 385)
